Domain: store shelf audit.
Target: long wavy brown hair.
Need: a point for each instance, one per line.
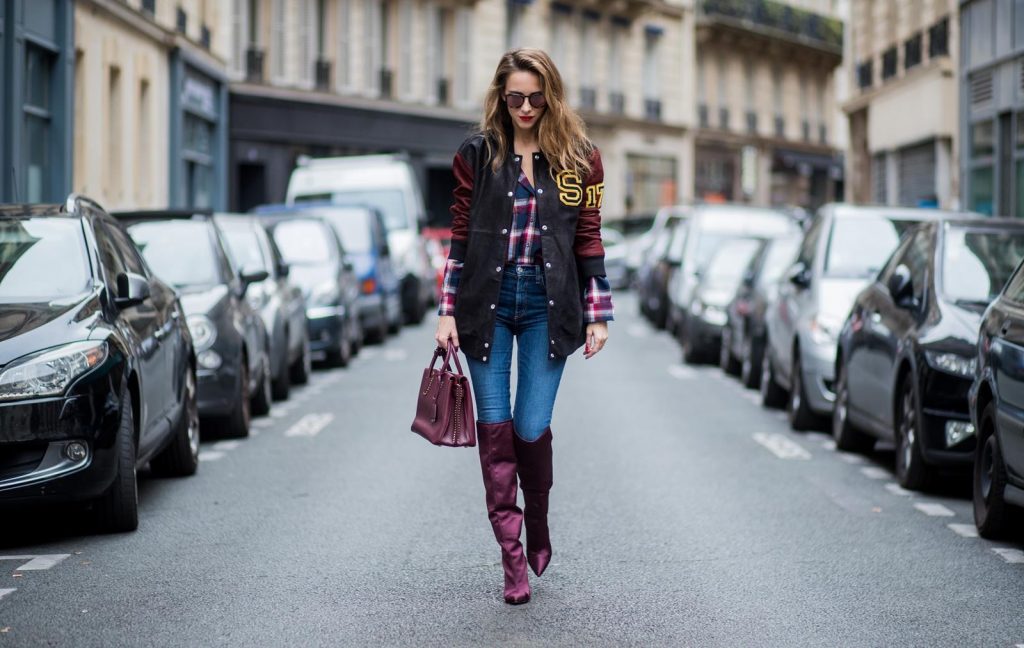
(561, 133)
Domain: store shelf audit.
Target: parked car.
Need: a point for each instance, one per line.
(907, 352)
(996, 401)
(707, 228)
(185, 248)
(615, 249)
(639, 246)
(718, 282)
(653, 274)
(842, 250)
(438, 241)
(97, 370)
(327, 276)
(742, 346)
(387, 183)
(277, 299)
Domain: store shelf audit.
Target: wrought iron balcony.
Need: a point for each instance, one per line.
(775, 19)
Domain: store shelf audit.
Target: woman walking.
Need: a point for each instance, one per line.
(526, 264)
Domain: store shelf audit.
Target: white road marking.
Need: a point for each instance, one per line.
(896, 489)
(210, 455)
(851, 458)
(395, 355)
(964, 530)
(37, 562)
(874, 472)
(278, 412)
(638, 331)
(1012, 556)
(828, 444)
(227, 445)
(5, 592)
(934, 510)
(781, 447)
(752, 397)
(681, 372)
(260, 423)
(368, 354)
(309, 425)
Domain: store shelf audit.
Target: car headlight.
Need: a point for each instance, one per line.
(824, 331)
(698, 308)
(714, 315)
(324, 294)
(49, 373)
(952, 363)
(204, 333)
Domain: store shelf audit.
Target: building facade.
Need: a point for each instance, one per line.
(765, 99)
(338, 77)
(150, 119)
(992, 106)
(36, 70)
(903, 106)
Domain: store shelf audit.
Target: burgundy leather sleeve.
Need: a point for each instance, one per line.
(462, 196)
(587, 246)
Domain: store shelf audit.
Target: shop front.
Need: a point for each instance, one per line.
(198, 145)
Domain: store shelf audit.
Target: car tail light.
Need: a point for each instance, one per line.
(369, 286)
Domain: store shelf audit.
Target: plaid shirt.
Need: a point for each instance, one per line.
(524, 249)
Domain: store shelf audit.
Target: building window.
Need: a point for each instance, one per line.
(307, 40)
(344, 63)
(650, 182)
(464, 62)
(514, 24)
(983, 140)
(278, 42)
(777, 106)
(749, 93)
(144, 143)
(616, 36)
(181, 21)
(115, 168)
(651, 72)
(38, 122)
(912, 51)
(889, 63)
(239, 35)
(722, 85)
(938, 39)
(149, 6)
(372, 13)
(865, 75)
(879, 176)
(405, 44)
(980, 22)
(805, 124)
(588, 39)
(561, 19)
(702, 92)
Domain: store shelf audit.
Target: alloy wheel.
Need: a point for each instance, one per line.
(907, 433)
(841, 408)
(988, 465)
(192, 412)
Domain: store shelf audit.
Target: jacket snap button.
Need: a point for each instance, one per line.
(510, 194)
(552, 355)
(551, 302)
(485, 358)
(544, 227)
(552, 341)
(504, 231)
(487, 345)
(540, 191)
(498, 269)
(492, 306)
(547, 265)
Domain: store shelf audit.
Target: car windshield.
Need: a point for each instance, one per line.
(354, 229)
(779, 256)
(858, 247)
(977, 263)
(706, 248)
(729, 262)
(244, 247)
(175, 251)
(302, 242)
(389, 201)
(28, 248)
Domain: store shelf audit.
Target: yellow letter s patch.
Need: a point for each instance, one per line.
(570, 189)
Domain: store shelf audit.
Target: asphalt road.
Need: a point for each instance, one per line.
(682, 514)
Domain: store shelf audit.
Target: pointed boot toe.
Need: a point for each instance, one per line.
(533, 460)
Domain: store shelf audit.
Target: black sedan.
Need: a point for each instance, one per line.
(186, 250)
(997, 411)
(906, 353)
(97, 371)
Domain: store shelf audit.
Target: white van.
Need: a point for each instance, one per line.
(388, 183)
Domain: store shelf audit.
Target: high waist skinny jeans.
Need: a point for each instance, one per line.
(522, 315)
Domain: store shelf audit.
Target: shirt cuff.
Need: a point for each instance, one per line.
(450, 287)
(597, 301)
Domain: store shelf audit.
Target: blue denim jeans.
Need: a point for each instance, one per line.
(522, 314)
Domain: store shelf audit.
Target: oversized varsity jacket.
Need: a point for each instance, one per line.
(569, 216)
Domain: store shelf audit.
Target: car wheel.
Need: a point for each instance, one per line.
(772, 396)
(911, 470)
(341, 356)
(726, 360)
(301, 369)
(691, 352)
(281, 384)
(991, 512)
(393, 327)
(264, 396)
(181, 457)
(237, 424)
(750, 366)
(117, 510)
(846, 436)
(800, 415)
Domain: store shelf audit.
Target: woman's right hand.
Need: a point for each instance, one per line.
(445, 330)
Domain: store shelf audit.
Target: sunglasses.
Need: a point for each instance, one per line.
(515, 100)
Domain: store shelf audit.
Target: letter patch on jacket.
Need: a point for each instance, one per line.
(570, 189)
(595, 194)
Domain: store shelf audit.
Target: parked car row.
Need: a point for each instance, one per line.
(901, 325)
(126, 337)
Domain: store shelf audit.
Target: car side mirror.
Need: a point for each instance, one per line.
(800, 276)
(246, 279)
(132, 289)
(748, 279)
(283, 269)
(673, 263)
(348, 266)
(901, 286)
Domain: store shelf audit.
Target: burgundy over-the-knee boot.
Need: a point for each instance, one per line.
(534, 459)
(498, 464)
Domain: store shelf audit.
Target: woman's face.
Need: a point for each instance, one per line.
(525, 84)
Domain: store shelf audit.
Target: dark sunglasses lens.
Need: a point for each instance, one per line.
(515, 100)
(537, 100)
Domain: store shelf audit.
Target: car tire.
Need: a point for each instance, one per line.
(750, 365)
(264, 396)
(301, 369)
(691, 353)
(847, 437)
(117, 510)
(379, 333)
(181, 457)
(772, 396)
(801, 417)
(237, 424)
(991, 511)
(911, 470)
(726, 360)
(340, 356)
(281, 384)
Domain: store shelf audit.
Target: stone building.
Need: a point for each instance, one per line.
(337, 77)
(765, 99)
(903, 106)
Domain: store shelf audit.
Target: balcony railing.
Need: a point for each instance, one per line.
(775, 17)
(254, 65)
(938, 39)
(616, 103)
(443, 91)
(588, 98)
(751, 122)
(387, 78)
(912, 51)
(652, 109)
(323, 74)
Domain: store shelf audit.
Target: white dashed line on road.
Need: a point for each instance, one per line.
(38, 562)
(309, 425)
(681, 372)
(896, 489)
(828, 444)
(262, 422)
(278, 412)
(5, 592)
(226, 445)
(210, 455)
(934, 510)
(851, 458)
(395, 355)
(964, 530)
(638, 331)
(874, 472)
(1012, 556)
(780, 446)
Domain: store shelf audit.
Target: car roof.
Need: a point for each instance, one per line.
(985, 222)
(136, 216)
(33, 210)
(846, 210)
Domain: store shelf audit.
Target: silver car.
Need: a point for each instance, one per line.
(842, 250)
